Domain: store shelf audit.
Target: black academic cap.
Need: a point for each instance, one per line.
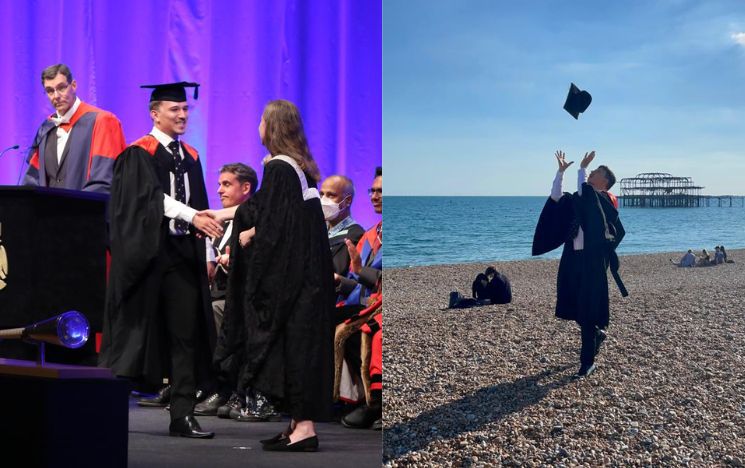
(172, 91)
(577, 101)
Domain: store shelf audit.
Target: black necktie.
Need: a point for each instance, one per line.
(181, 227)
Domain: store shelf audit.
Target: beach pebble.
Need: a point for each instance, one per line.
(494, 385)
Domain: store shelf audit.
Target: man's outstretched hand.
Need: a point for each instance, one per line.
(561, 159)
(587, 159)
(207, 224)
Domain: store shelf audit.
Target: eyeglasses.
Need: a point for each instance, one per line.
(61, 88)
(371, 191)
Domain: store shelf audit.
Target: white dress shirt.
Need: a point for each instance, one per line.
(556, 193)
(62, 135)
(173, 208)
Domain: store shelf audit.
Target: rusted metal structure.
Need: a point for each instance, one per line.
(659, 189)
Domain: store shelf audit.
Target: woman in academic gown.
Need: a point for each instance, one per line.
(280, 296)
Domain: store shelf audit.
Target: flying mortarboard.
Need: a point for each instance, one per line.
(175, 92)
(577, 101)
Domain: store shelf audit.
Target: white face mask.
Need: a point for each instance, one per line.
(330, 208)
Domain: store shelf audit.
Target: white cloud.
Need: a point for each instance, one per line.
(739, 38)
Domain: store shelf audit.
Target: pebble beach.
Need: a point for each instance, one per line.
(494, 385)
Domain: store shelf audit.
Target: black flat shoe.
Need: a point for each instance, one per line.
(188, 427)
(283, 445)
(284, 434)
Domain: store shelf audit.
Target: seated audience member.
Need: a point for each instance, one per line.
(499, 290)
(337, 194)
(687, 260)
(363, 280)
(236, 184)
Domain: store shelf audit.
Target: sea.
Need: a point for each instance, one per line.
(447, 230)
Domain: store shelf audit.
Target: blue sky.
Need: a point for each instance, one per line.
(473, 92)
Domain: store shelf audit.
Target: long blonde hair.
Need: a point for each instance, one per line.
(284, 134)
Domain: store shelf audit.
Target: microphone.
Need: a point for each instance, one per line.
(14, 147)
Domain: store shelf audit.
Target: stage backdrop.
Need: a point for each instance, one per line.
(325, 56)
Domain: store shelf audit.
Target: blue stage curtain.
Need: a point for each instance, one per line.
(325, 56)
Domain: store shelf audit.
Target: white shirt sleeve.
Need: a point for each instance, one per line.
(556, 188)
(209, 249)
(174, 209)
(581, 179)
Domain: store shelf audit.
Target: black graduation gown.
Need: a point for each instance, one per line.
(582, 281)
(134, 342)
(278, 327)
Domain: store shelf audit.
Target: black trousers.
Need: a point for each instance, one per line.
(180, 304)
(590, 340)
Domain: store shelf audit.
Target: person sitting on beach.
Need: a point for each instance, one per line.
(499, 290)
(479, 286)
(718, 255)
(687, 260)
(724, 252)
(705, 259)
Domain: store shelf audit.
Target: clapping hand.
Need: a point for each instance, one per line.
(563, 164)
(354, 257)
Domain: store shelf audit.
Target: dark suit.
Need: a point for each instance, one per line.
(339, 252)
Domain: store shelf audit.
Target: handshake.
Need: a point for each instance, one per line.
(209, 223)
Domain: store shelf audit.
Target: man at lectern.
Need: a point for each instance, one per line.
(75, 147)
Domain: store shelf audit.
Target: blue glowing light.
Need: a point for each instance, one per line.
(72, 329)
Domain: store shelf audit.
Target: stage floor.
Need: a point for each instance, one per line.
(237, 444)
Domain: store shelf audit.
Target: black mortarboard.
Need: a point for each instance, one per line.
(172, 91)
(577, 101)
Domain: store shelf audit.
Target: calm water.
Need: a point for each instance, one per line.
(441, 230)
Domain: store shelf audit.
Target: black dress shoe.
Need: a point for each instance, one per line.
(600, 336)
(209, 406)
(586, 369)
(283, 445)
(188, 427)
(234, 402)
(363, 417)
(160, 400)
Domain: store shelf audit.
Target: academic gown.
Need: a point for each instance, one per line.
(278, 328)
(135, 343)
(582, 281)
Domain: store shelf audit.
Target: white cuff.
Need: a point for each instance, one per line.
(174, 209)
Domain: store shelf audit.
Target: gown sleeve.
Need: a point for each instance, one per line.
(136, 210)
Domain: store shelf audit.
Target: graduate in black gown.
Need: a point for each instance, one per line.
(278, 322)
(586, 223)
(158, 316)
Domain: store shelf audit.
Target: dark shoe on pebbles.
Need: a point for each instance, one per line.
(160, 400)
(234, 402)
(378, 425)
(586, 369)
(363, 417)
(188, 427)
(283, 445)
(210, 405)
